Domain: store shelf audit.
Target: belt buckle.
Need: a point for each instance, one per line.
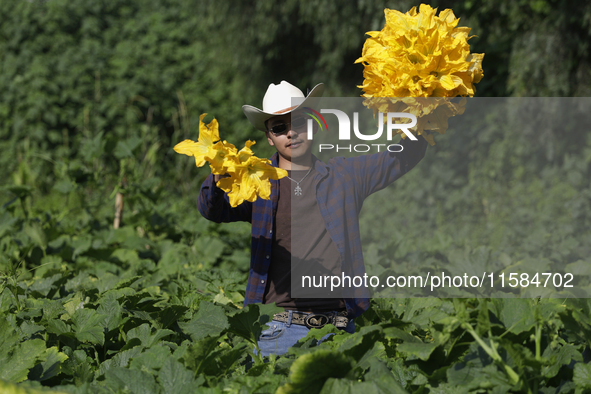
(316, 320)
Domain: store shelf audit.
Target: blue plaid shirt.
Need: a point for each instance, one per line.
(342, 185)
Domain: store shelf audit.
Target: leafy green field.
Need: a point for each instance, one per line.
(156, 304)
(124, 324)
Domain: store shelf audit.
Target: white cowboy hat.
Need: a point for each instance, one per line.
(279, 100)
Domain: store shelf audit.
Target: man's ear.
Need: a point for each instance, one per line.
(269, 139)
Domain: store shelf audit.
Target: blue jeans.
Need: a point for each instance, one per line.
(279, 337)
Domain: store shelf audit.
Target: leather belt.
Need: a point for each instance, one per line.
(314, 320)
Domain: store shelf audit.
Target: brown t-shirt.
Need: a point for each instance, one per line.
(300, 237)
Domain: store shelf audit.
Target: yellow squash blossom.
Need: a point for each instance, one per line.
(252, 175)
(231, 185)
(219, 156)
(246, 152)
(248, 175)
(207, 136)
(420, 55)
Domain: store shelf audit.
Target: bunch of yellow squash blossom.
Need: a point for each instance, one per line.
(248, 175)
(416, 64)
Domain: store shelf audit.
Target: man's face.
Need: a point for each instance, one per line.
(289, 136)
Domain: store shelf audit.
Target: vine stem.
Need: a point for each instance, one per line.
(538, 342)
(492, 352)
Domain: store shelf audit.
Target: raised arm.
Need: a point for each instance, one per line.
(375, 172)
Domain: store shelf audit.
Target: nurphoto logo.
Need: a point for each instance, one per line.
(344, 123)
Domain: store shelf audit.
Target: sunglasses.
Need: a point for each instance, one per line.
(282, 128)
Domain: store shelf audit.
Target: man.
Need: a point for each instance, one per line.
(327, 198)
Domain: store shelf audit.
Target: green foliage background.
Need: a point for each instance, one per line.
(94, 94)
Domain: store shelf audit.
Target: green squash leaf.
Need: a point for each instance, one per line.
(210, 320)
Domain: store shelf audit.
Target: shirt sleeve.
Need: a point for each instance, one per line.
(375, 172)
(214, 205)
